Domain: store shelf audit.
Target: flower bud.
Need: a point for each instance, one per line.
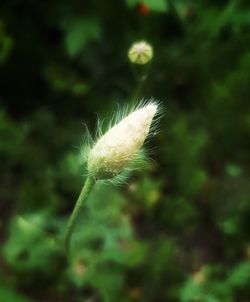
(116, 148)
(140, 53)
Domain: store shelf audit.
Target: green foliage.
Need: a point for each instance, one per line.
(100, 242)
(154, 5)
(7, 294)
(5, 43)
(206, 286)
(29, 247)
(178, 230)
(78, 32)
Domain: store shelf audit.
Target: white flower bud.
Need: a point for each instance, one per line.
(116, 148)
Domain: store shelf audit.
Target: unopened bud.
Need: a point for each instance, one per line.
(140, 53)
(116, 148)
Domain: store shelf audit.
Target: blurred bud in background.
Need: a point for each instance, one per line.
(140, 53)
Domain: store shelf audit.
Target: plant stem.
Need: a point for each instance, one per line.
(141, 75)
(78, 206)
(138, 89)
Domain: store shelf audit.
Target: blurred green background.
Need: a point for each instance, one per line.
(179, 229)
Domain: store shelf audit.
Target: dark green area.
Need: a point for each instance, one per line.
(179, 229)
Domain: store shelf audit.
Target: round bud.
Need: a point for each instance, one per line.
(140, 53)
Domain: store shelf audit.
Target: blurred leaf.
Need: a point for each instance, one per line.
(29, 246)
(240, 276)
(154, 5)
(78, 32)
(64, 80)
(233, 170)
(6, 43)
(193, 292)
(101, 242)
(12, 138)
(7, 295)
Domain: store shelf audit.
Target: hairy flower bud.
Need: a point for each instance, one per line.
(140, 53)
(116, 148)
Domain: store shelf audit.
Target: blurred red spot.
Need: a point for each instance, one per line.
(143, 9)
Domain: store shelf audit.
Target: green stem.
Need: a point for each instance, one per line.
(141, 75)
(137, 93)
(79, 204)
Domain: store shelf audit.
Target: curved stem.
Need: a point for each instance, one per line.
(79, 204)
